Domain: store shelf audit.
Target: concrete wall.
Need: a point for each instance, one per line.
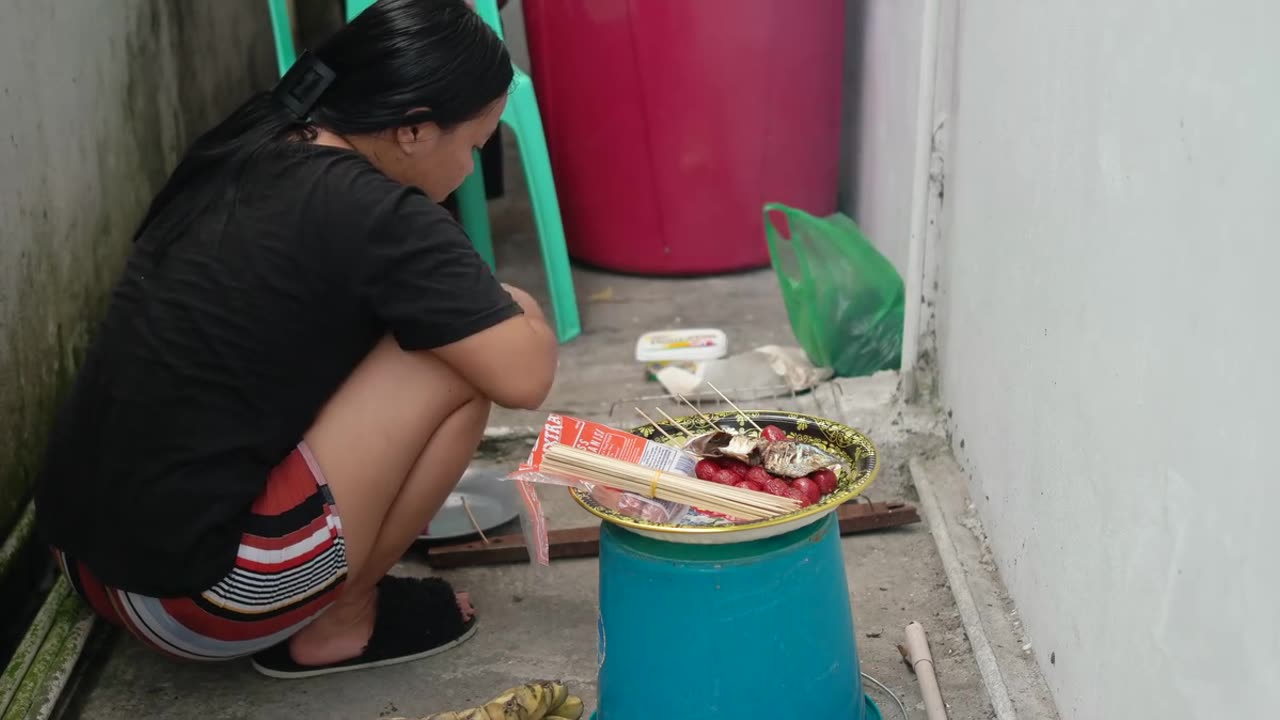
(1108, 341)
(97, 98)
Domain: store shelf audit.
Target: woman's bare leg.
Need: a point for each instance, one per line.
(392, 443)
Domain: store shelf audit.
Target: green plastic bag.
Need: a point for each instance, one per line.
(844, 299)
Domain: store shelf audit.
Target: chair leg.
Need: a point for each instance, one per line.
(282, 22)
(473, 209)
(355, 7)
(523, 119)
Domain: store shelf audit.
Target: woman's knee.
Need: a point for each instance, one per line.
(411, 390)
(374, 428)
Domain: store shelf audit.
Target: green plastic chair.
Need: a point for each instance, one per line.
(524, 119)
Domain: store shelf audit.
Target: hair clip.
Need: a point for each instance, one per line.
(302, 86)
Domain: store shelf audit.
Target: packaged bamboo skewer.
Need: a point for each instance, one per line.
(634, 477)
(630, 475)
(569, 462)
(614, 444)
(605, 441)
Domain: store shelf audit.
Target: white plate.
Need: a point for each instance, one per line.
(492, 500)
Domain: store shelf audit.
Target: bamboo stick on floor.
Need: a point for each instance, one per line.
(922, 663)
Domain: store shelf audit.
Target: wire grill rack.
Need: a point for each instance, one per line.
(820, 401)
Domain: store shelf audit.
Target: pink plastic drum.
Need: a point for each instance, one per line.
(671, 122)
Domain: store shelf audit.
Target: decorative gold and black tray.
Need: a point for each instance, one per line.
(859, 465)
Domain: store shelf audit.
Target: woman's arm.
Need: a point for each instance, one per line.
(513, 362)
(419, 274)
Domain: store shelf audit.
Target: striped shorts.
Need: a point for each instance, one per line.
(290, 566)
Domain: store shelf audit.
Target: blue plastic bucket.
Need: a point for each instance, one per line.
(733, 631)
(870, 711)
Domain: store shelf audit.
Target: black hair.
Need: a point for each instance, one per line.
(398, 63)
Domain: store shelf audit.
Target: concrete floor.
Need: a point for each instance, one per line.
(541, 622)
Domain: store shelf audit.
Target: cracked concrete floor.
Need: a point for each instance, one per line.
(541, 622)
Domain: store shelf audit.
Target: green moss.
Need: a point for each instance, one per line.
(24, 656)
(51, 646)
(55, 664)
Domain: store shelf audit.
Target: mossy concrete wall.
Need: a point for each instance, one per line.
(97, 100)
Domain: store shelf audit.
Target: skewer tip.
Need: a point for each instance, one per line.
(696, 409)
(734, 406)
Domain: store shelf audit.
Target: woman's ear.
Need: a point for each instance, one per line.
(413, 134)
(410, 138)
(407, 136)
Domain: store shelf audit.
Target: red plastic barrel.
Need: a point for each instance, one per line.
(671, 122)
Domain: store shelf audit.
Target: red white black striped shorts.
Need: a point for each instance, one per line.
(291, 564)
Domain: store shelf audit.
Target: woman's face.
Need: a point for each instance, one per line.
(434, 160)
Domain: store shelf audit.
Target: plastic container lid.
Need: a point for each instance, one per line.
(682, 345)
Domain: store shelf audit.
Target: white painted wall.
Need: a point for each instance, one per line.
(881, 68)
(1109, 343)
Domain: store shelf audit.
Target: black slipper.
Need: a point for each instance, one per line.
(416, 618)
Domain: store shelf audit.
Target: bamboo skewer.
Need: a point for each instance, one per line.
(675, 422)
(467, 507)
(696, 409)
(735, 407)
(657, 427)
(736, 502)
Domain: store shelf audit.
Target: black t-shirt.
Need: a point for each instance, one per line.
(243, 306)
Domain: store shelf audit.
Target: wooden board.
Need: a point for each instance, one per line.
(856, 517)
(585, 541)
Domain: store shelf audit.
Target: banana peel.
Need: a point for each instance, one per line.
(571, 709)
(559, 693)
(539, 700)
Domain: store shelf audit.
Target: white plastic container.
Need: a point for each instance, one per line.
(681, 346)
(685, 349)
